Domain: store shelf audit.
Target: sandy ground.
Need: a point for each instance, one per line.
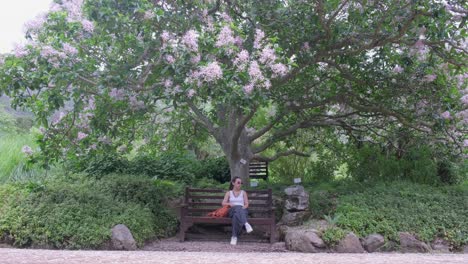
(30, 256)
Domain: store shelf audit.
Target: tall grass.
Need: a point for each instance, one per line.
(12, 159)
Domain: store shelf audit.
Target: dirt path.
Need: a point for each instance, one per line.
(30, 256)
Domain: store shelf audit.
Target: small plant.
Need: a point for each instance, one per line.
(333, 235)
(332, 220)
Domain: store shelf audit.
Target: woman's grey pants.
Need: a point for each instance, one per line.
(239, 218)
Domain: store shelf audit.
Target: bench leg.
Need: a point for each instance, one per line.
(182, 232)
(272, 233)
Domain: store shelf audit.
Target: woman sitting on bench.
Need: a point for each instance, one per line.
(239, 202)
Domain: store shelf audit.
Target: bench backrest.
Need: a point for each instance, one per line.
(202, 201)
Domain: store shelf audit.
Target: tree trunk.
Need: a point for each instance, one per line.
(238, 155)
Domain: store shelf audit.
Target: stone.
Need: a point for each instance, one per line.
(282, 230)
(304, 241)
(297, 199)
(349, 244)
(373, 242)
(440, 245)
(388, 246)
(294, 218)
(409, 244)
(122, 238)
(465, 249)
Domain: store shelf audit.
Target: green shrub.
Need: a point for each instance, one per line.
(389, 208)
(216, 169)
(331, 236)
(78, 212)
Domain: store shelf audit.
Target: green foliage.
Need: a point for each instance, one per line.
(369, 163)
(331, 236)
(102, 164)
(388, 208)
(78, 212)
(165, 166)
(12, 160)
(216, 169)
(452, 173)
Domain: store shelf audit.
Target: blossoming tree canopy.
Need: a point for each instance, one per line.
(251, 73)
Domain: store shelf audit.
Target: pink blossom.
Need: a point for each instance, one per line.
(81, 135)
(149, 14)
(93, 146)
(91, 104)
(226, 17)
(463, 116)
(248, 88)
(254, 72)
(116, 94)
(54, 7)
(279, 69)
(445, 115)
(195, 59)
(165, 36)
(27, 150)
(464, 99)
(191, 93)
(136, 104)
(88, 26)
(69, 49)
(36, 23)
(168, 83)
(57, 118)
(190, 40)
(238, 41)
(429, 78)
(397, 69)
(48, 51)
(73, 9)
(465, 143)
(259, 35)
(267, 84)
(225, 37)
(306, 46)
(170, 59)
(241, 60)
(20, 51)
(267, 56)
(211, 72)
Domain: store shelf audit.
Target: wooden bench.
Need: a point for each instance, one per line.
(199, 202)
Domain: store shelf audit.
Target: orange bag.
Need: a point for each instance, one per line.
(221, 212)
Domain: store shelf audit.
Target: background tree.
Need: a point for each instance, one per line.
(250, 73)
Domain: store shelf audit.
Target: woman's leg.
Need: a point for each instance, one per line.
(239, 218)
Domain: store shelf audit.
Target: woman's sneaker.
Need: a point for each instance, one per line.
(248, 228)
(233, 241)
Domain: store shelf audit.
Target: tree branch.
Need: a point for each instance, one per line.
(281, 154)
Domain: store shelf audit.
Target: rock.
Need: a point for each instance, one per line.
(465, 249)
(122, 238)
(349, 244)
(297, 199)
(278, 247)
(304, 241)
(409, 244)
(388, 246)
(440, 245)
(373, 242)
(282, 231)
(294, 218)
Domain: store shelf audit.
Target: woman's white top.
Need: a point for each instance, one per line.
(239, 200)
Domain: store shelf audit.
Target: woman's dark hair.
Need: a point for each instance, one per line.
(231, 184)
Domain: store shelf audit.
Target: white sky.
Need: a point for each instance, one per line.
(13, 15)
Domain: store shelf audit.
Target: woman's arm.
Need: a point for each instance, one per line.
(246, 200)
(226, 200)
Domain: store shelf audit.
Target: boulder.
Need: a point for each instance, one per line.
(440, 245)
(349, 244)
(304, 241)
(409, 244)
(122, 238)
(465, 249)
(297, 199)
(373, 242)
(294, 218)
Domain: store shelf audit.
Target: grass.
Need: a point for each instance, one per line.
(12, 159)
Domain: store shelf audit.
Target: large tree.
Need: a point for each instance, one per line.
(251, 73)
